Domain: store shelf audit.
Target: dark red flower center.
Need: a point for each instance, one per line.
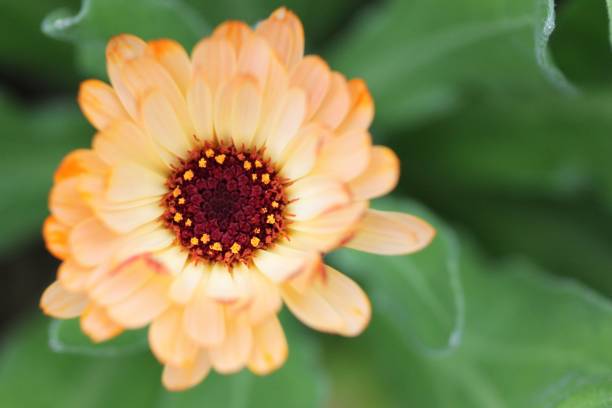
(224, 203)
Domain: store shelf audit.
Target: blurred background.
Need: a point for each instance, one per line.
(501, 112)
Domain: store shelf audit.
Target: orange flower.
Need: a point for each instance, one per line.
(214, 186)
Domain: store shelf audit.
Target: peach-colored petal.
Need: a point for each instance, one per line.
(333, 303)
(123, 280)
(61, 303)
(266, 298)
(200, 106)
(344, 156)
(180, 378)
(391, 233)
(55, 235)
(361, 112)
(204, 318)
(91, 242)
(379, 178)
(214, 59)
(284, 32)
(168, 339)
(329, 230)
(281, 262)
(224, 285)
(286, 125)
(270, 349)
(336, 103)
(313, 76)
(172, 259)
(186, 282)
(172, 56)
(232, 355)
(66, 204)
(123, 220)
(146, 239)
(316, 195)
(301, 154)
(237, 111)
(78, 162)
(73, 276)
(131, 181)
(254, 58)
(100, 103)
(233, 31)
(96, 324)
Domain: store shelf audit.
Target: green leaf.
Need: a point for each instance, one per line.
(98, 20)
(65, 336)
(33, 144)
(422, 292)
(421, 58)
(530, 340)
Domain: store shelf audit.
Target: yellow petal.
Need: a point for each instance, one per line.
(336, 103)
(301, 154)
(285, 34)
(269, 347)
(100, 103)
(333, 303)
(61, 303)
(200, 105)
(172, 56)
(379, 178)
(313, 76)
(168, 339)
(344, 156)
(361, 112)
(391, 233)
(232, 355)
(204, 318)
(316, 195)
(180, 378)
(96, 324)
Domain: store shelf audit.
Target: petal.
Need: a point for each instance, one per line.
(344, 156)
(231, 355)
(96, 324)
(185, 283)
(379, 178)
(361, 112)
(172, 56)
(237, 111)
(172, 259)
(329, 230)
(266, 298)
(285, 34)
(224, 285)
(276, 85)
(391, 233)
(336, 103)
(215, 61)
(124, 220)
(235, 32)
(163, 124)
(146, 239)
(78, 162)
(316, 195)
(129, 182)
(66, 203)
(281, 262)
(168, 339)
(301, 154)
(270, 349)
(254, 57)
(179, 378)
(142, 306)
(55, 235)
(200, 106)
(290, 118)
(204, 319)
(334, 304)
(73, 276)
(91, 242)
(61, 303)
(313, 76)
(100, 103)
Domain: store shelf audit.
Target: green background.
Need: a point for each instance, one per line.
(501, 112)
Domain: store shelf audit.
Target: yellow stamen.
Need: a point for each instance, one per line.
(209, 152)
(270, 219)
(176, 192)
(178, 217)
(254, 176)
(257, 230)
(205, 238)
(247, 165)
(263, 210)
(188, 223)
(216, 246)
(258, 164)
(235, 248)
(194, 241)
(181, 201)
(255, 241)
(202, 163)
(220, 158)
(265, 178)
(275, 204)
(188, 175)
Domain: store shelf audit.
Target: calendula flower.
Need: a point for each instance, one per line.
(214, 186)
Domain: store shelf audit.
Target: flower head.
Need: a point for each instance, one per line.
(214, 186)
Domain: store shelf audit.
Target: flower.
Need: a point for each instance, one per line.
(214, 186)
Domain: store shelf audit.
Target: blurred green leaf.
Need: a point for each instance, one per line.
(421, 57)
(33, 142)
(98, 20)
(422, 292)
(65, 336)
(597, 395)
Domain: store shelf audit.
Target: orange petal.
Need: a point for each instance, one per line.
(284, 32)
(361, 112)
(77, 163)
(168, 339)
(269, 347)
(66, 203)
(379, 178)
(333, 303)
(55, 235)
(391, 233)
(172, 56)
(61, 303)
(235, 32)
(96, 324)
(180, 378)
(100, 103)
